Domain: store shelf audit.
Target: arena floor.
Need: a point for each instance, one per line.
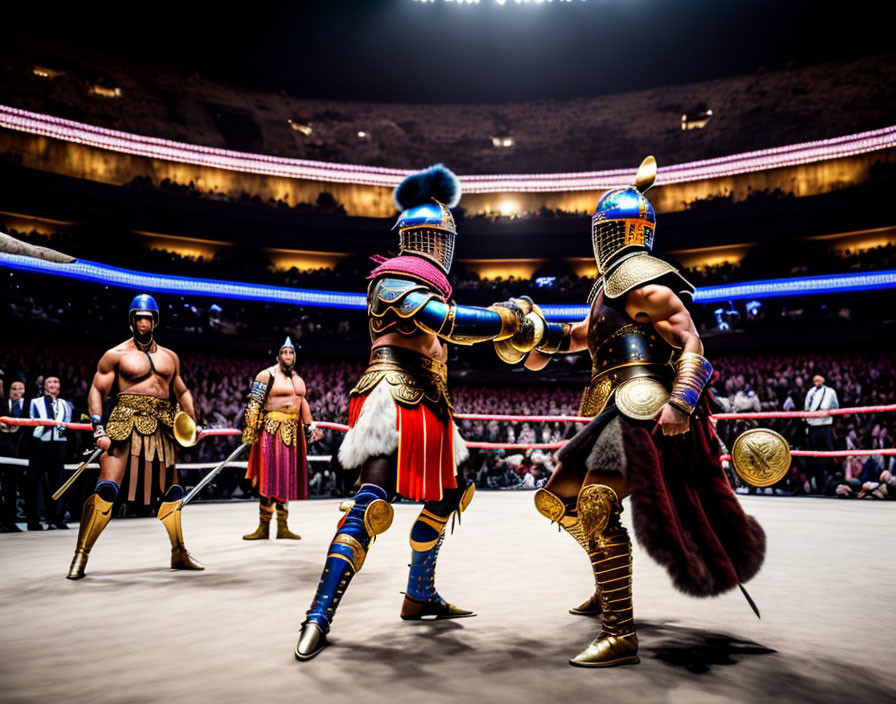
(135, 631)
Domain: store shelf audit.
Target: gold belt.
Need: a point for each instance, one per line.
(411, 376)
(143, 413)
(284, 422)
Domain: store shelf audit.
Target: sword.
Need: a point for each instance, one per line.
(205, 481)
(77, 473)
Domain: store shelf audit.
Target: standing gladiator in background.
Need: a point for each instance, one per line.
(651, 436)
(137, 437)
(402, 432)
(278, 426)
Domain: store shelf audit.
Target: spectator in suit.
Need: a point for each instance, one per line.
(47, 457)
(820, 431)
(12, 446)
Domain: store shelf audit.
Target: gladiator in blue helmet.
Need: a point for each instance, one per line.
(144, 304)
(426, 227)
(624, 221)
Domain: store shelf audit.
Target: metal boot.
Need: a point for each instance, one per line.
(369, 515)
(565, 515)
(263, 532)
(169, 515)
(599, 512)
(94, 518)
(283, 530)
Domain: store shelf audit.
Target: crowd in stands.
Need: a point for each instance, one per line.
(766, 382)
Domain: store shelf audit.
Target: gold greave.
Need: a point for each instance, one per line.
(552, 506)
(600, 511)
(263, 532)
(283, 530)
(169, 515)
(94, 518)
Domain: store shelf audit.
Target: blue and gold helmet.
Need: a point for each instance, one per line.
(145, 304)
(624, 220)
(426, 227)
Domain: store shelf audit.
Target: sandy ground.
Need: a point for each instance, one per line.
(135, 631)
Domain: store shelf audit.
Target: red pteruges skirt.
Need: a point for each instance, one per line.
(425, 449)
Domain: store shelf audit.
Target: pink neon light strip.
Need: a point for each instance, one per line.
(167, 150)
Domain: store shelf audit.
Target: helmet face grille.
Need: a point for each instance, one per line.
(610, 237)
(433, 243)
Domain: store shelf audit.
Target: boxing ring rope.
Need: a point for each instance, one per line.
(482, 445)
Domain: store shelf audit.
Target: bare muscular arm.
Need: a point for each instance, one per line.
(181, 393)
(578, 341)
(102, 383)
(660, 306)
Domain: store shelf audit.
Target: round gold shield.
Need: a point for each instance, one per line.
(760, 457)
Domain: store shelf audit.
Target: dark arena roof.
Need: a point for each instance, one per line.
(677, 123)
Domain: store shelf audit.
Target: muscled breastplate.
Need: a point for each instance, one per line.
(629, 359)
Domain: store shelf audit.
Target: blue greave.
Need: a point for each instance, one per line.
(345, 557)
(427, 535)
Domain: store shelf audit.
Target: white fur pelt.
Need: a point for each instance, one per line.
(461, 453)
(375, 432)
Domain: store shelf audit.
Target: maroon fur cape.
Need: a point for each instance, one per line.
(685, 514)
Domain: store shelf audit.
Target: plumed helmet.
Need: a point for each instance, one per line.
(624, 220)
(426, 226)
(145, 304)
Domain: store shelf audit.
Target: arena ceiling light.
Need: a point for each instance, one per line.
(104, 274)
(168, 150)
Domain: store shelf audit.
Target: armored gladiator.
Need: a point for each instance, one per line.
(137, 435)
(402, 433)
(278, 426)
(650, 436)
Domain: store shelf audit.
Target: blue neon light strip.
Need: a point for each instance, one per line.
(801, 286)
(85, 270)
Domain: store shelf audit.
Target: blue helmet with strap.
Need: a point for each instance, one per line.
(144, 304)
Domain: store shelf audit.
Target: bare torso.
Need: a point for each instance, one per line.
(135, 374)
(285, 394)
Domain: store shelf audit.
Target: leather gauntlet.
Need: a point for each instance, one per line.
(691, 376)
(529, 335)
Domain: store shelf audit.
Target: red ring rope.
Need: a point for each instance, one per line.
(211, 432)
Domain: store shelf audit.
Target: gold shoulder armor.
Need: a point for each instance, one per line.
(643, 269)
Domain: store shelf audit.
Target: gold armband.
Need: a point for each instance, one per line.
(692, 373)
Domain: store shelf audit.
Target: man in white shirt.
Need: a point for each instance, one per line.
(820, 431)
(47, 459)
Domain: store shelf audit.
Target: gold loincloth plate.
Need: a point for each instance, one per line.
(761, 457)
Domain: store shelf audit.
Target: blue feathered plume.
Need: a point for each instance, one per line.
(435, 182)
